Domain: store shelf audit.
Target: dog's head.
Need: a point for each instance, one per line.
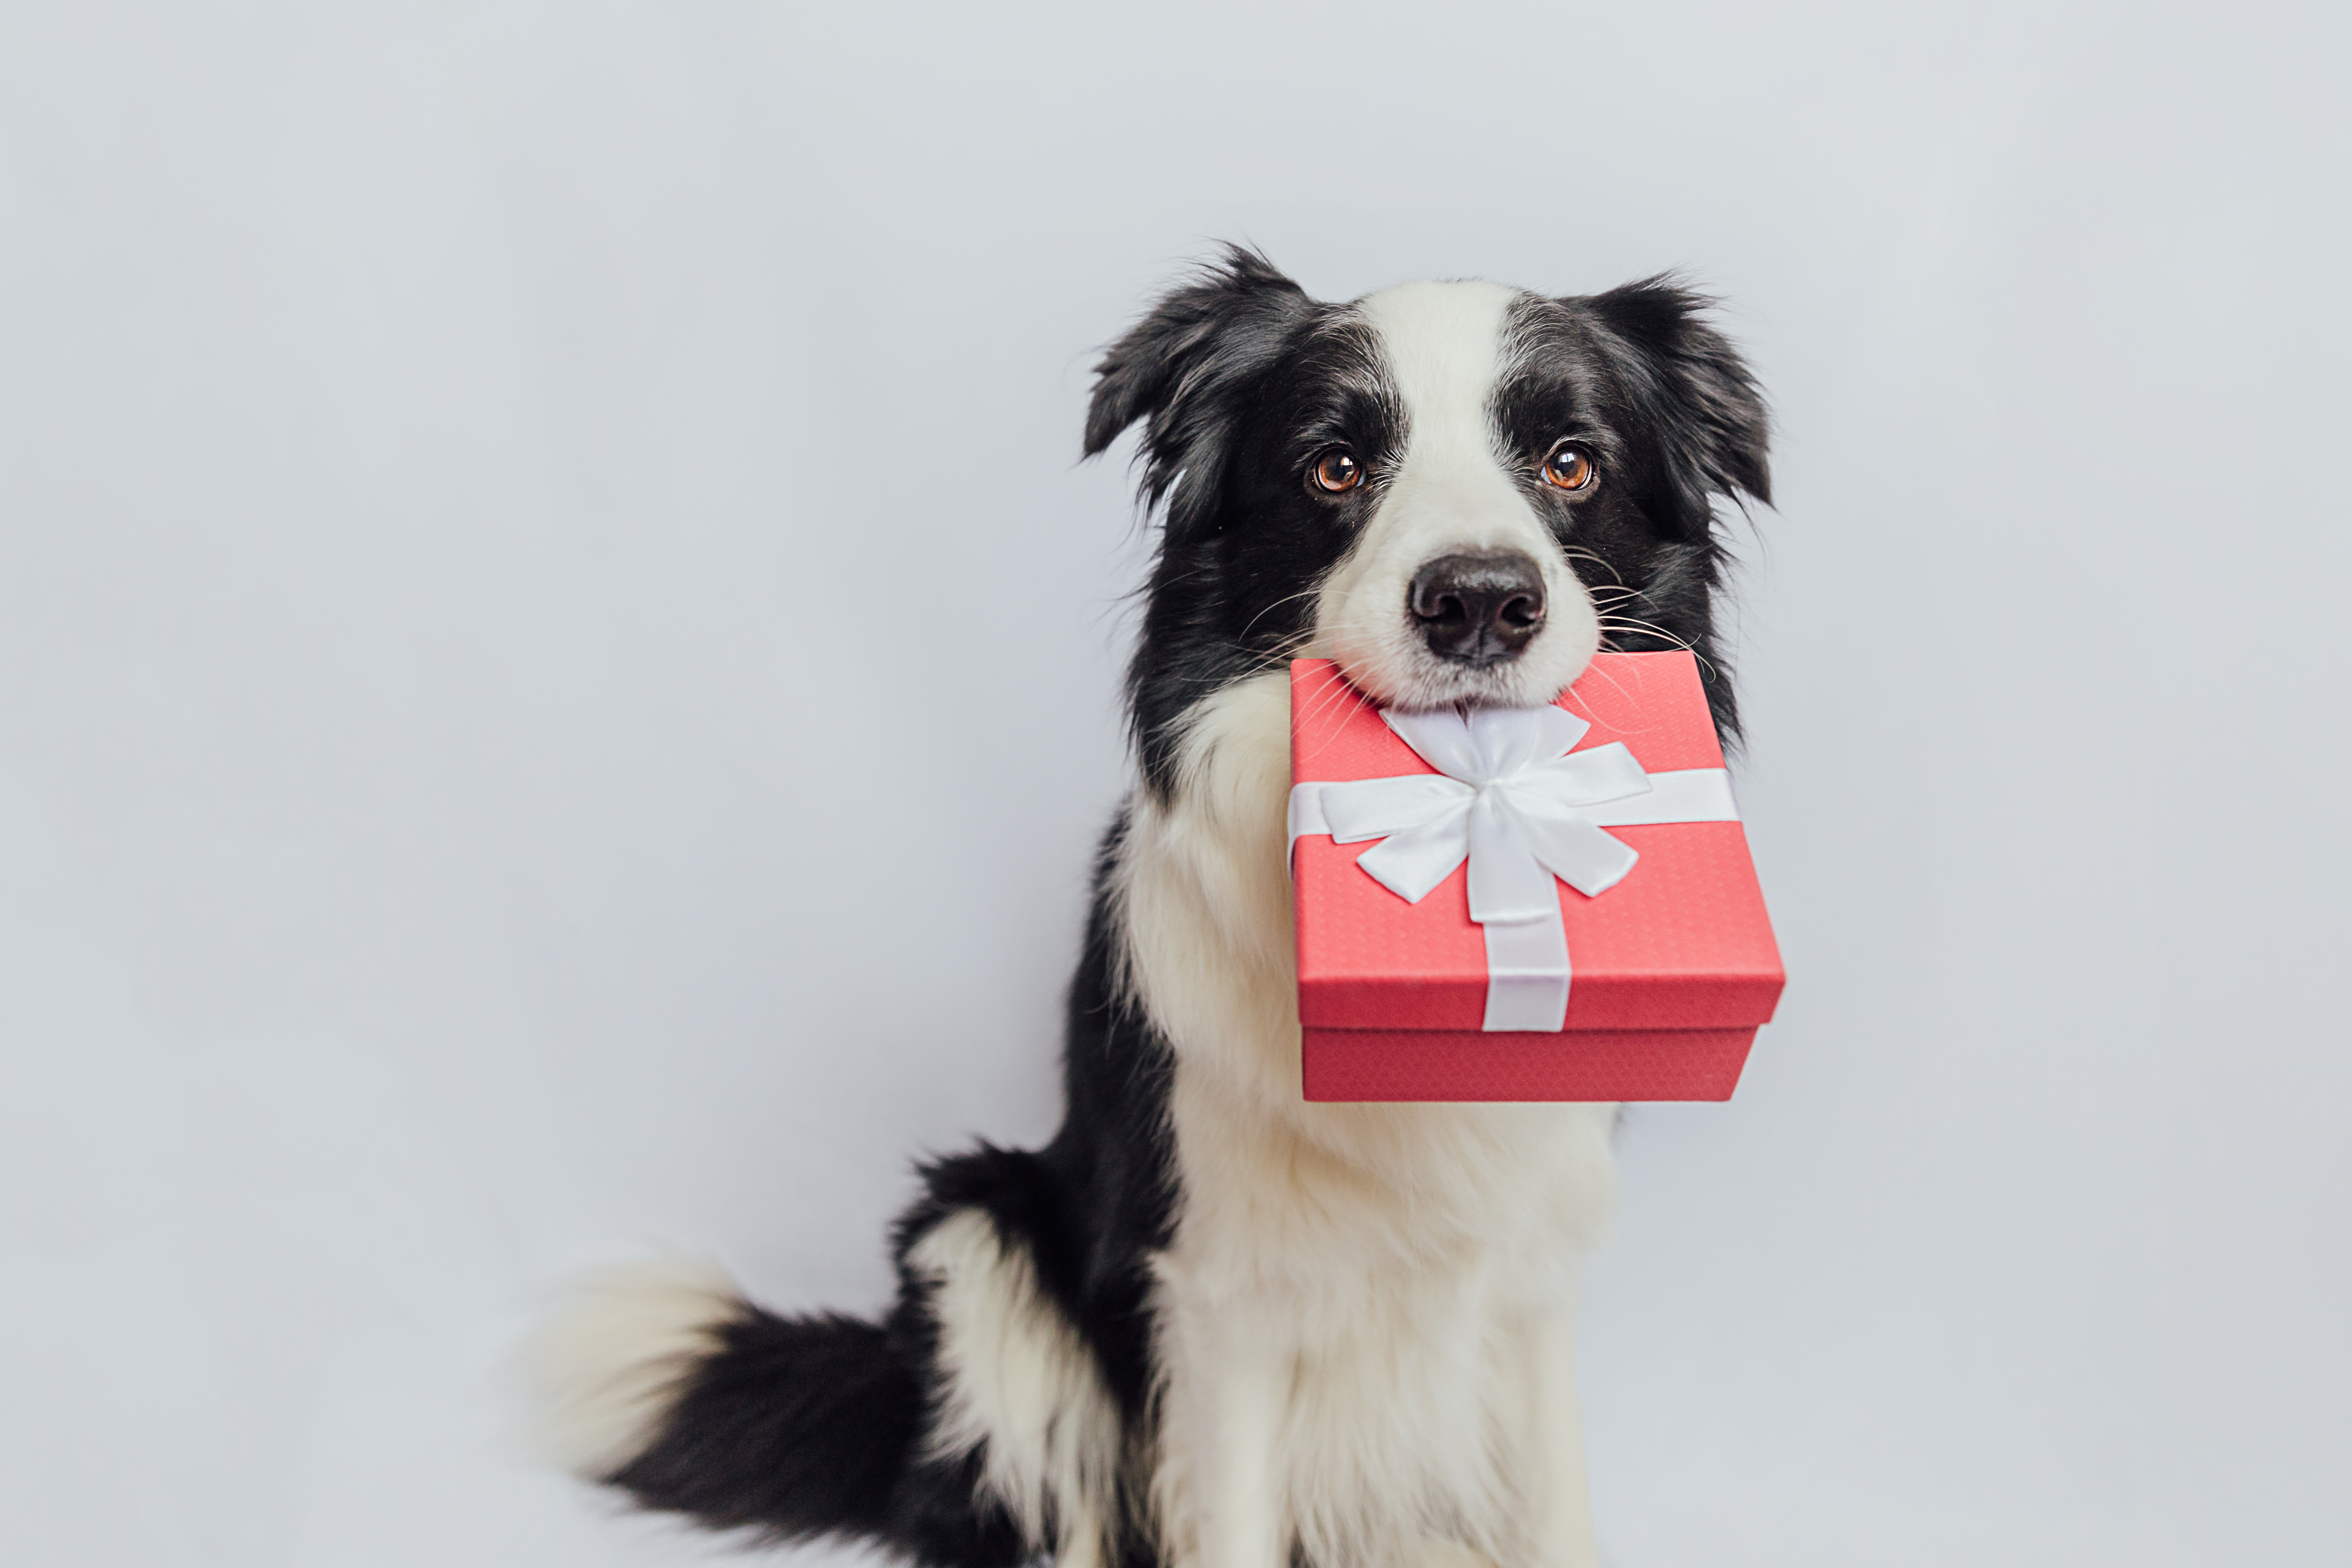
(1459, 491)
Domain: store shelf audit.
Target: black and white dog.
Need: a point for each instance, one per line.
(1211, 1325)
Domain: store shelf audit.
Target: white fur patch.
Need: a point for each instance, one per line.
(1356, 1296)
(1442, 346)
(607, 1370)
(1022, 1382)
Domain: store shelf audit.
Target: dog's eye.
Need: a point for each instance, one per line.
(1336, 471)
(1569, 467)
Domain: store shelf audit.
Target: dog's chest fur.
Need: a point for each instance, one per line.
(1377, 1266)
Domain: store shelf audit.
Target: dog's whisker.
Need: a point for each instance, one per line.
(1627, 623)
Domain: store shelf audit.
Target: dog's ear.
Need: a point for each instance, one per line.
(1688, 386)
(1181, 367)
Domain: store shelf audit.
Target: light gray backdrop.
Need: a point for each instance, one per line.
(540, 551)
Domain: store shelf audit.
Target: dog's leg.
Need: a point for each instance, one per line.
(1232, 1385)
(1559, 1505)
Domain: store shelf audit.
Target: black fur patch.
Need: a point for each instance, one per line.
(1639, 375)
(798, 1428)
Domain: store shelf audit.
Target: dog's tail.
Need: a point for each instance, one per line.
(662, 1381)
(970, 1428)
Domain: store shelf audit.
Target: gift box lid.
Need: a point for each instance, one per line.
(1681, 942)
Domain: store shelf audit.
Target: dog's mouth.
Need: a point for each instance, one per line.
(1428, 685)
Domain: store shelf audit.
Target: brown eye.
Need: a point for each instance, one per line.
(1567, 467)
(1336, 471)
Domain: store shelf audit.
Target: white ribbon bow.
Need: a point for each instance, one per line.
(1512, 800)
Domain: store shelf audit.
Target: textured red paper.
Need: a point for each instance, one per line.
(1673, 967)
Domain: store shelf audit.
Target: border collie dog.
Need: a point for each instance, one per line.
(1211, 1325)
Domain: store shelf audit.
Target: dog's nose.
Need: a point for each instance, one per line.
(1478, 610)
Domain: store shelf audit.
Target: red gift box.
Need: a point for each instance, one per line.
(1670, 963)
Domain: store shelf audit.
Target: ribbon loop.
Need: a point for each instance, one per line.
(1411, 863)
(1586, 778)
(1510, 738)
(1572, 847)
(1374, 808)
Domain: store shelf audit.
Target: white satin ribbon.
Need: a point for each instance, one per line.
(1511, 799)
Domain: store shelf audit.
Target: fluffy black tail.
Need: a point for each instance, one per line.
(664, 1383)
(796, 1427)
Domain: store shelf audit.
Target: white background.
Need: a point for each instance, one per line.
(530, 537)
